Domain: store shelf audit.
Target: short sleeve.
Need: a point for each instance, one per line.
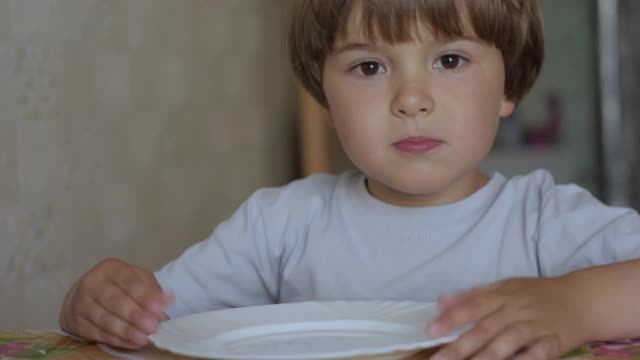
(576, 231)
(236, 266)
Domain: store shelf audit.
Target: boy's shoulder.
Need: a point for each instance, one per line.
(539, 180)
(539, 187)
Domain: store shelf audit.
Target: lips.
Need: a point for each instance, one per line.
(417, 145)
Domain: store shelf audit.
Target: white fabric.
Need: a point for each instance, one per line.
(326, 238)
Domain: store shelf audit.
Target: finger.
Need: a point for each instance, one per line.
(478, 337)
(448, 301)
(125, 276)
(163, 298)
(472, 310)
(547, 347)
(112, 325)
(144, 290)
(169, 298)
(510, 341)
(66, 312)
(119, 304)
(91, 332)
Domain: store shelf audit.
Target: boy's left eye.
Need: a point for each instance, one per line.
(450, 62)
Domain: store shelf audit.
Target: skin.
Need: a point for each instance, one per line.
(115, 303)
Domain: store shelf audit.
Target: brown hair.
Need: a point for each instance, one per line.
(512, 26)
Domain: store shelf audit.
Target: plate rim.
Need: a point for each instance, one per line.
(382, 350)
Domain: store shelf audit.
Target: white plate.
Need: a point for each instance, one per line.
(302, 331)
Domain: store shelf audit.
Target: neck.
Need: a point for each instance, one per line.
(457, 190)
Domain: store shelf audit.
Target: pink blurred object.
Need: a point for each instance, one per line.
(620, 349)
(549, 133)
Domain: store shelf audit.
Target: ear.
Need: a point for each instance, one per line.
(507, 107)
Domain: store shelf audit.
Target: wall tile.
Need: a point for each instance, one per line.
(78, 85)
(143, 140)
(35, 21)
(113, 79)
(44, 256)
(8, 133)
(9, 224)
(211, 28)
(37, 75)
(5, 21)
(145, 79)
(118, 213)
(8, 163)
(172, 81)
(42, 167)
(139, 23)
(13, 294)
(9, 88)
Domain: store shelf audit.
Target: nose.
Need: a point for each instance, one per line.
(411, 101)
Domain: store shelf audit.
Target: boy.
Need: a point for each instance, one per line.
(415, 91)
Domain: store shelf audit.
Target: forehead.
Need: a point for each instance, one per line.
(398, 21)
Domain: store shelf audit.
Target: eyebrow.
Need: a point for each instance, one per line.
(353, 46)
(363, 46)
(445, 39)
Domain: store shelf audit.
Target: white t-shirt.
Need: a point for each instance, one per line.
(326, 238)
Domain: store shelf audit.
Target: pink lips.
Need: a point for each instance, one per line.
(417, 145)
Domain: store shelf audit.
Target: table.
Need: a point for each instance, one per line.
(56, 345)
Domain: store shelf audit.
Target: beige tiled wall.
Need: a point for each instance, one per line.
(129, 128)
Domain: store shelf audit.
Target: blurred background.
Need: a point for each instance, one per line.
(130, 128)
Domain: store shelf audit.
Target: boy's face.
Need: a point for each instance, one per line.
(417, 117)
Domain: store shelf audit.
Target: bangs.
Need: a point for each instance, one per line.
(513, 26)
(399, 21)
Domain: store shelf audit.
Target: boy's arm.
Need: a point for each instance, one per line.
(610, 295)
(543, 318)
(236, 266)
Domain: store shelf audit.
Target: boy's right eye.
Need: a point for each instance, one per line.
(369, 68)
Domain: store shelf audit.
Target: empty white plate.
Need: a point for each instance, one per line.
(302, 331)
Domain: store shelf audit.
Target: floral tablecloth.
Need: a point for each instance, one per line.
(38, 345)
(53, 344)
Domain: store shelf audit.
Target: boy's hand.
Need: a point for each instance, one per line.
(530, 318)
(115, 303)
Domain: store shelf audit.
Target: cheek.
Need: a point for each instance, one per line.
(359, 125)
(356, 134)
(354, 113)
(349, 100)
(477, 119)
(479, 133)
(352, 100)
